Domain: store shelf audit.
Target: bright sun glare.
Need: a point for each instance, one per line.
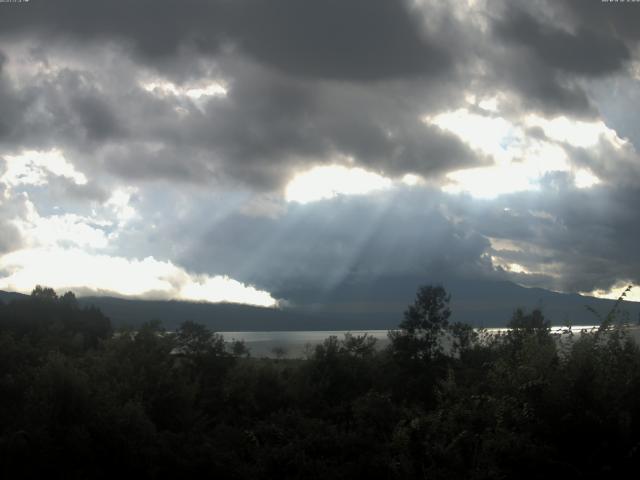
(325, 182)
(520, 160)
(73, 269)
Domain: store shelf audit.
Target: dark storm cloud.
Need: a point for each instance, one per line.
(540, 87)
(270, 120)
(286, 108)
(361, 39)
(364, 39)
(12, 104)
(544, 53)
(289, 110)
(268, 126)
(613, 99)
(583, 238)
(614, 18)
(586, 51)
(96, 117)
(60, 109)
(156, 29)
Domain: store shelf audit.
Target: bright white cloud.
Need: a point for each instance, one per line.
(67, 229)
(489, 104)
(119, 202)
(60, 230)
(412, 180)
(329, 181)
(493, 136)
(199, 94)
(489, 182)
(33, 167)
(74, 269)
(65, 252)
(196, 91)
(574, 132)
(585, 179)
(615, 292)
(223, 289)
(520, 160)
(513, 267)
(516, 268)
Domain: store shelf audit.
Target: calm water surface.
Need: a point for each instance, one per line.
(296, 344)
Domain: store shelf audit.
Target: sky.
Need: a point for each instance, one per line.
(266, 151)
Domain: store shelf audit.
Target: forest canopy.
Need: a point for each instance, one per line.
(442, 400)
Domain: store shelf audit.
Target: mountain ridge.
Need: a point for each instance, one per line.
(478, 303)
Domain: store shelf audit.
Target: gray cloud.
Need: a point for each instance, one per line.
(10, 208)
(358, 40)
(317, 246)
(541, 88)
(272, 120)
(153, 29)
(288, 110)
(613, 98)
(96, 117)
(361, 39)
(311, 83)
(613, 18)
(57, 109)
(586, 51)
(267, 127)
(544, 51)
(10, 239)
(12, 104)
(62, 189)
(582, 238)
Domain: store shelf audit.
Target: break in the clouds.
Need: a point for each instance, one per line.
(256, 151)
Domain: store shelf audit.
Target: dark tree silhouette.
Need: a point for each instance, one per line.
(439, 402)
(44, 293)
(420, 333)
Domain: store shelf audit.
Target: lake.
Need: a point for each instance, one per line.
(295, 344)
